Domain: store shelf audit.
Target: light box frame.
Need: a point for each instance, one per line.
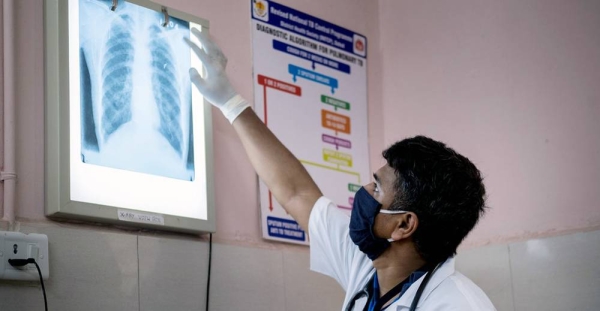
(58, 203)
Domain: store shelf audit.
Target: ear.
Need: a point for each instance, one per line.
(406, 226)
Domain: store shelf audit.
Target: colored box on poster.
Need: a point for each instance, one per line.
(279, 85)
(338, 142)
(337, 157)
(335, 102)
(285, 229)
(296, 71)
(353, 187)
(335, 121)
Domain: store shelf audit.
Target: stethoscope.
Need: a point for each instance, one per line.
(415, 302)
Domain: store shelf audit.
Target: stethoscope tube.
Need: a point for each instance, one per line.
(415, 301)
(421, 288)
(355, 297)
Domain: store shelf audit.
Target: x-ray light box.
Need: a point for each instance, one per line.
(128, 139)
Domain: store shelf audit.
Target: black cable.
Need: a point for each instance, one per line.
(41, 281)
(22, 262)
(209, 264)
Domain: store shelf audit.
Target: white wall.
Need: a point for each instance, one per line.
(493, 79)
(108, 269)
(104, 268)
(513, 85)
(235, 179)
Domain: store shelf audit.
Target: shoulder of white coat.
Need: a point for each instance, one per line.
(322, 204)
(322, 209)
(460, 293)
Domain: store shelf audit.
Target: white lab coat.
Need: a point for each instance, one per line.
(333, 253)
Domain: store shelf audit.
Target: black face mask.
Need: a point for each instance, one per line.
(364, 211)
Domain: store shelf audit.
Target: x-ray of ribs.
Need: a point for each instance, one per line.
(118, 82)
(164, 87)
(136, 101)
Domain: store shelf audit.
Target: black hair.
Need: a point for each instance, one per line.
(443, 188)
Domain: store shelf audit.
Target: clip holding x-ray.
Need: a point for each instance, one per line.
(114, 5)
(166, 21)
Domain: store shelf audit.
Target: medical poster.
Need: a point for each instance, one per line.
(310, 89)
(137, 126)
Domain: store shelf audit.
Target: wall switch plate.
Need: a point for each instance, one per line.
(17, 245)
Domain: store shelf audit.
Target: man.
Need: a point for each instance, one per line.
(404, 228)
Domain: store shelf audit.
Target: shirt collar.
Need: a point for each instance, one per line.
(373, 285)
(443, 272)
(413, 277)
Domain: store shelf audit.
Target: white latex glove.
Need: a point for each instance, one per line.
(215, 87)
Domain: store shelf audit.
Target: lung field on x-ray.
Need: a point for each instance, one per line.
(116, 78)
(164, 82)
(136, 109)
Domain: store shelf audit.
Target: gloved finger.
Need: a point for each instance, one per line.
(202, 55)
(210, 47)
(197, 80)
(208, 44)
(203, 38)
(197, 50)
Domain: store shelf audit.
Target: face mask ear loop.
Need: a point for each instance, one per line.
(387, 211)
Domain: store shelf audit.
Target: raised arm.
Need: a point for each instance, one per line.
(276, 166)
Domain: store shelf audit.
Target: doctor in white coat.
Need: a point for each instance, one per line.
(395, 251)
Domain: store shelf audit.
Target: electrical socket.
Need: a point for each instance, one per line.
(17, 245)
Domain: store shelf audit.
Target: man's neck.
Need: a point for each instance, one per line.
(394, 266)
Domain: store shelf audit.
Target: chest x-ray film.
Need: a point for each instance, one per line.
(136, 104)
(136, 126)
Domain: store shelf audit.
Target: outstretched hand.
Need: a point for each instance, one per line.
(215, 85)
